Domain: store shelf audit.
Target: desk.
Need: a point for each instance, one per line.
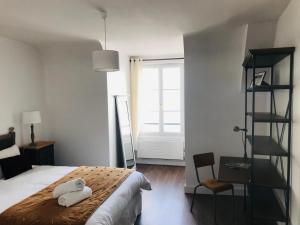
(235, 176)
(265, 177)
(230, 175)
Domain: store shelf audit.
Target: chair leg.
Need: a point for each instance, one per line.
(215, 209)
(233, 205)
(195, 189)
(245, 197)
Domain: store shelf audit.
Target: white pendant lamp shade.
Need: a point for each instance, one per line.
(105, 60)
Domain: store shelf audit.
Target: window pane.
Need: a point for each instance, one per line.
(151, 100)
(171, 117)
(151, 117)
(161, 97)
(150, 128)
(171, 100)
(150, 78)
(172, 128)
(171, 78)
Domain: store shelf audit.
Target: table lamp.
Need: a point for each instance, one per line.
(33, 117)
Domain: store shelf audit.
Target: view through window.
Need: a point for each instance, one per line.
(162, 99)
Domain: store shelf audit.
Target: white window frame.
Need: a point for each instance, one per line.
(160, 65)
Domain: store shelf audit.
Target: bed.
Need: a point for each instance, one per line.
(121, 208)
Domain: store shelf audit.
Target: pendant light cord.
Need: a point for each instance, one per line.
(104, 16)
(105, 33)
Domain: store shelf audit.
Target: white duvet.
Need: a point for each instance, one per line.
(24, 185)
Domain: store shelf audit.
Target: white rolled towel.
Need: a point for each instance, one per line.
(72, 198)
(70, 186)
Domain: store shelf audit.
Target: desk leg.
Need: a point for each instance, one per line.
(245, 198)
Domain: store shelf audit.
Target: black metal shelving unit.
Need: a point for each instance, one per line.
(266, 177)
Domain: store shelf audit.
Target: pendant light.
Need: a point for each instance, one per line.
(105, 60)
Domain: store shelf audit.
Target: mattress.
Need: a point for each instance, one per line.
(121, 208)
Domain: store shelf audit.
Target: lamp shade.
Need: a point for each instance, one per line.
(32, 117)
(105, 61)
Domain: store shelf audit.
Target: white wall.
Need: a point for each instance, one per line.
(22, 87)
(261, 35)
(263, 39)
(214, 93)
(288, 34)
(77, 104)
(58, 80)
(213, 97)
(117, 84)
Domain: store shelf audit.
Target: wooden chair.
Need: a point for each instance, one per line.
(207, 159)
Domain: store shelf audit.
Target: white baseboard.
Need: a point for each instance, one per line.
(167, 162)
(238, 190)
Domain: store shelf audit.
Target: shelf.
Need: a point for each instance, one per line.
(265, 145)
(266, 206)
(268, 88)
(265, 174)
(266, 57)
(263, 177)
(264, 223)
(262, 117)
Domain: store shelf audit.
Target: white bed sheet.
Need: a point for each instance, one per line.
(110, 212)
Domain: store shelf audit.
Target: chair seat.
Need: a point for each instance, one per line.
(216, 186)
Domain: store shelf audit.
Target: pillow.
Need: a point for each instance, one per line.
(14, 166)
(9, 152)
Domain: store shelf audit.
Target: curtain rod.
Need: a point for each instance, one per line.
(159, 59)
(162, 59)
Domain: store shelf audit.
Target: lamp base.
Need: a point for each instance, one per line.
(32, 134)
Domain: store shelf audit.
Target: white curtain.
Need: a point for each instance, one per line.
(136, 65)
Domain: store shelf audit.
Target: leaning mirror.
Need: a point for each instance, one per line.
(124, 130)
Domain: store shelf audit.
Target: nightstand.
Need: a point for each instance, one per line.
(42, 153)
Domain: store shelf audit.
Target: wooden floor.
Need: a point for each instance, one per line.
(167, 204)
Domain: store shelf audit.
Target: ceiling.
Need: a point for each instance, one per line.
(135, 27)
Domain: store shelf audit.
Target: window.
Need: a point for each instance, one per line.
(162, 99)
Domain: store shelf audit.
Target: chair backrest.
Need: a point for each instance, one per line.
(202, 160)
(205, 159)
